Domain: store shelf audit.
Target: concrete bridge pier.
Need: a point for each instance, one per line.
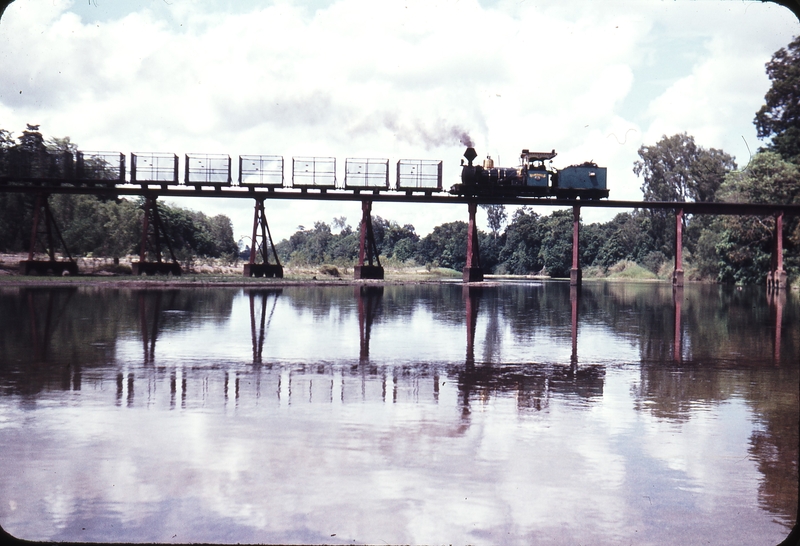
(677, 274)
(472, 269)
(576, 274)
(367, 249)
(777, 278)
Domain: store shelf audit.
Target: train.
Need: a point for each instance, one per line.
(266, 172)
(533, 178)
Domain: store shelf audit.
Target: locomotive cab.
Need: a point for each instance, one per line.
(533, 165)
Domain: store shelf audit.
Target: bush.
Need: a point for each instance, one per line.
(330, 270)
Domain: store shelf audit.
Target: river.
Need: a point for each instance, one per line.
(512, 413)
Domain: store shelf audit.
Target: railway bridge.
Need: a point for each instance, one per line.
(261, 180)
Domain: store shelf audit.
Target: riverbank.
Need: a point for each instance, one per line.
(107, 272)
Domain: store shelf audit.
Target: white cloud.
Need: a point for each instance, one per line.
(392, 79)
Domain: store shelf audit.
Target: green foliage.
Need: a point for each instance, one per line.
(627, 269)
(490, 247)
(193, 234)
(16, 220)
(744, 243)
(389, 234)
(624, 237)
(496, 217)
(677, 169)
(556, 249)
(779, 119)
(445, 246)
(523, 240)
(113, 228)
(320, 245)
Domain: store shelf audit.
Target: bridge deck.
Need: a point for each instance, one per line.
(238, 192)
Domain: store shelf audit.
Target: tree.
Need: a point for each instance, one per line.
(396, 241)
(520, 253)
(446, 246)
(496, 216)
(556, 249)
(624, 237)
(779, 119)
(677, 169)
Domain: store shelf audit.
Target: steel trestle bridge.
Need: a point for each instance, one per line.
(153, 176)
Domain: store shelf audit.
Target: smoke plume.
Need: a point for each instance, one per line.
(426, 134)
(465, 139)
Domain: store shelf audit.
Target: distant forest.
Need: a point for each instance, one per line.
(730, 249)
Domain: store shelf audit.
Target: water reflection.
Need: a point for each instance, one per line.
(369, 305)
(262, 318)
(593, 398)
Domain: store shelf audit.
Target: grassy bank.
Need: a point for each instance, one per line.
(220, 272)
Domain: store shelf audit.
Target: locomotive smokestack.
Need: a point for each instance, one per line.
(470, 154)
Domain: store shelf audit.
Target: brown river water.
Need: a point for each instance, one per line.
(514, 413)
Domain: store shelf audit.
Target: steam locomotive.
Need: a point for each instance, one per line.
(531, 179)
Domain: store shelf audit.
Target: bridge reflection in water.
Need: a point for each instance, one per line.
(388, 351)
(531, 383)
(47, 308)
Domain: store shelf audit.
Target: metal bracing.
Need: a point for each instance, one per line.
(153, 234)
(260, 239)
(367, 249)
(44, 234)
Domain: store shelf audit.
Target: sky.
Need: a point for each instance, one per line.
(396, 80)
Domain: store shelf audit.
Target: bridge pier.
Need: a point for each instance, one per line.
(264, 268)
(677, 274)
(159, 267)
(42, 214)
(576, 274)
(367, 247)
(777, 278)
(472, 269)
